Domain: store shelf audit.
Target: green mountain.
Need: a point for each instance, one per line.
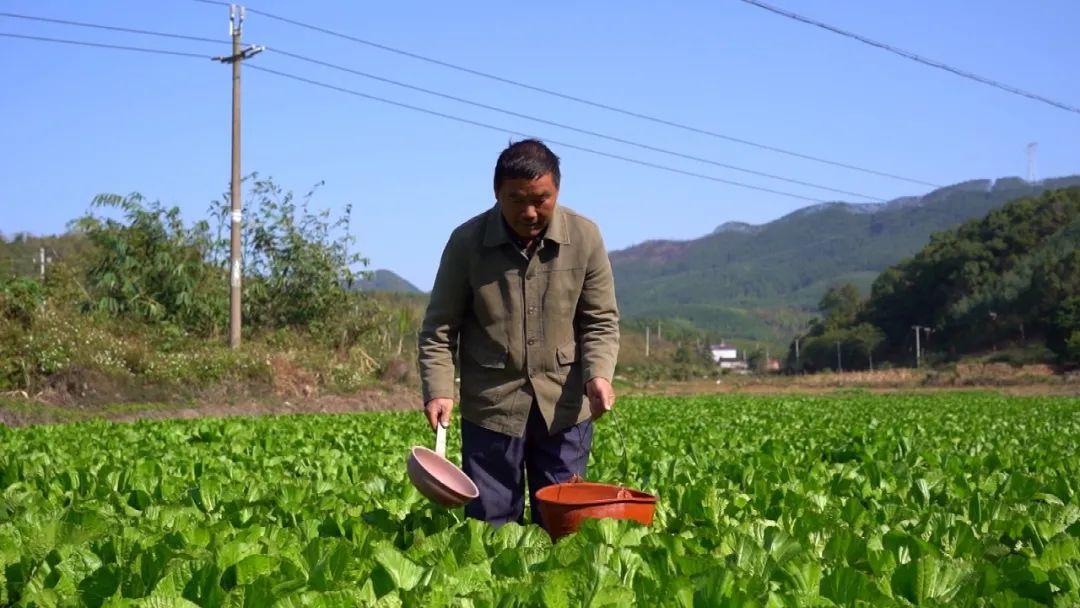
(1006, 285)
(762, 282)
(386, 280)
(1011, 278)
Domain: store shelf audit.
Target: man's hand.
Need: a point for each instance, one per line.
(438, 411)
(601, 396)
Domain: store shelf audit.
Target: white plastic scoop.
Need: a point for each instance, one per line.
(436, 477)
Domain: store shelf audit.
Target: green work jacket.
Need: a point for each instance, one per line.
(521, 326)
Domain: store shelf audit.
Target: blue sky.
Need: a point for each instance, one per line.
(79, 122)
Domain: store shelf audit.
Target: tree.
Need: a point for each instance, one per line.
(298, 262)
(151, 266)
(840, 305)
(298, 266)
(999, 279)
(865, 339)
(755, 359)
(1063, 334)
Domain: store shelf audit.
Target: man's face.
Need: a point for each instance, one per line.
(527, 204)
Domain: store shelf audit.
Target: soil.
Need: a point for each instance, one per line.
(388, 398)
(81, 396)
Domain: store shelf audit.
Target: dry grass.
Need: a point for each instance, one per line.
(1028, 380)
(291, 380)
(890, 377)
(1004, 370)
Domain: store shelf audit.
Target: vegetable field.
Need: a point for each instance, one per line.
(940, 500)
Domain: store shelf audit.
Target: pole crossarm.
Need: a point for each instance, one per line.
(247, 53)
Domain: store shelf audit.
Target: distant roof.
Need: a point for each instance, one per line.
(721, 345)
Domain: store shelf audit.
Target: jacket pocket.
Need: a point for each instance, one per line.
(489, 357)
(569, 371)
(567, 353)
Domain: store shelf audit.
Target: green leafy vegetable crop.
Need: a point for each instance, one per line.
(859, 500)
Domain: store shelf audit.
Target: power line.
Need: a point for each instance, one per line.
(114, 28)
(914, 57)
(523, 134)
(105, 46)
(451, 97)
(570, 127)
(581, 100)
(425, 111)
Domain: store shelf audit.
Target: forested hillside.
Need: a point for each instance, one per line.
(1009, 280)
(387, 281)
(760, 281)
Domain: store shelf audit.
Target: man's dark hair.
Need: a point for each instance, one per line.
(529, 159)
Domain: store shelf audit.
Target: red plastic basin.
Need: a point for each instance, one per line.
(564, 506)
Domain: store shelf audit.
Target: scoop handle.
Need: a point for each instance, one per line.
(440, 439)
(622, 443)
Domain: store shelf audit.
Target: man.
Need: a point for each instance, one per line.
(525, 294)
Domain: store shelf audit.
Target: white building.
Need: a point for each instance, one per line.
(727, 356)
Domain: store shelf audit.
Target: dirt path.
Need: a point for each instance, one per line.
(390, 398)
(18, 411)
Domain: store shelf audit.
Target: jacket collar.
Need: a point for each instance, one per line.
(495, 231)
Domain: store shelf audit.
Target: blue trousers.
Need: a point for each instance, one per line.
(500, 464)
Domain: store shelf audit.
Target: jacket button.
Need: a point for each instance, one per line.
(531, 341)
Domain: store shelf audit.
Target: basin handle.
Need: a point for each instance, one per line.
(440, 439)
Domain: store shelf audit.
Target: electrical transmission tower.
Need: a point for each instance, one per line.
(1032, 176)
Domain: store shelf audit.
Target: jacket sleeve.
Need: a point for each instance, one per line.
(439, 332)
(598, 317)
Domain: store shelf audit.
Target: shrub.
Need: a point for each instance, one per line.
(20, 299)
(152, 267)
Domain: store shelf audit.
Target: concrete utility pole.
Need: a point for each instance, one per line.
(839, 363)
(648, 328)
(236, 27)
(42, 260)
(797, 368)
(918, 346)
(659, 331)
